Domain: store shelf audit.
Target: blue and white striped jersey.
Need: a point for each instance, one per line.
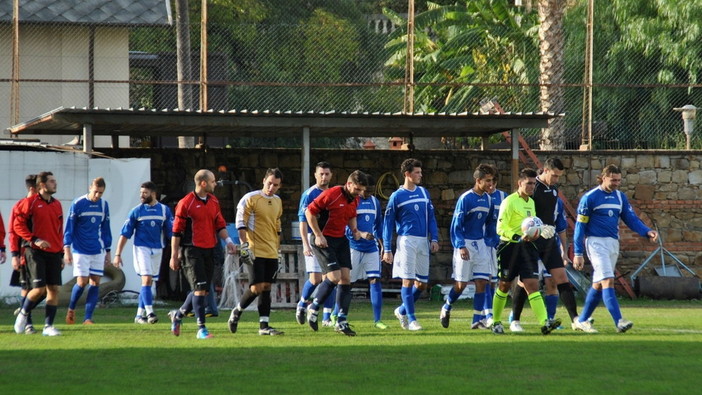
(305, 199)
(599, 213)
(88, 226)
(409, 213)
(150, 225)
(497, 198)
(473, 218)
(369, 218)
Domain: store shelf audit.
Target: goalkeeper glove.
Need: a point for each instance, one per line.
(245, 255)
(548, 231)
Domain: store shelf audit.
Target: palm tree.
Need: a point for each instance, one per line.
(551, 66)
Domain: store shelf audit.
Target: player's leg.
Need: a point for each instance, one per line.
(97, 265)
(81, 271)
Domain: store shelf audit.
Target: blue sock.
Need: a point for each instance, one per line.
(408, 303)
(610, 300)
(199, 309)
(591, 301)
(91, 301)
(489, 294)
(50, 315)
(141, 298)
(306, 293)
(478, 302)
(551, 305)
(146, 295)
(451, 298)
(76, 293)
(376, 297)
(416, 293)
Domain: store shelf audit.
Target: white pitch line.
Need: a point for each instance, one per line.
(693, 331)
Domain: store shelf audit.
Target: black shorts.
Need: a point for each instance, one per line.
(20, 278)
(517, 259)
(198, 266)
(335, 256)
(44, 268)
(549, 252)
(263, 270)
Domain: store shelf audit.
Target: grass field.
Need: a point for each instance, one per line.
(661, 354)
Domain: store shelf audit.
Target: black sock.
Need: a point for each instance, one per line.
(50, 315)
(323, 291)
(518, 301)
(343, 299)
(264, 306)
(186, 307)
(568, 299)
(199, 304)
(246, 299)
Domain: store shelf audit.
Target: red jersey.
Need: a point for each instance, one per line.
(2, 234)
(198, 221)
(40, 219)
(338, 207)
(15, 242)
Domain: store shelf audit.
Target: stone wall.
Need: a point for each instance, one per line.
(663, 186)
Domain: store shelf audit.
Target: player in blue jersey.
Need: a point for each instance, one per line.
(151, 223)
(365, 255)
(410, 214)
(473, 222)
(86, 242)
(497, 196)
(597, 233)
(322, 176)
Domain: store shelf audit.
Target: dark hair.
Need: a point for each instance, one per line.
(359, 178)
(409, 165)
(323, 165)
(553, 164)
(527, 173)
(275, 172)
(99, 182)
(31, 181)
(43, 177)
(371, 180)
(151, 186)
(608, 171)
(483, 170)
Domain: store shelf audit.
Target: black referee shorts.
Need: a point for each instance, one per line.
(517, 259)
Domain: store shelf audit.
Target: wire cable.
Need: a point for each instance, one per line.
(379, 185)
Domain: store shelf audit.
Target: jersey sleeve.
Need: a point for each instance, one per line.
(389, 223)
(458, 239)
(180, 219)
(2, 234)
(105, 229)
(70, 225)
(561, 223)
(378, 226)
(581, 225)
(130, 223)
(631, 219)
(491, 238)
(21, 223)
(243, 212)
(433, 227)
(168, 224)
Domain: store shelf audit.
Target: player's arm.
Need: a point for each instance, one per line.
(388, 228)
(68, 235)
(179, 224)
(121, 242)
(433, 227)
(106, 233)
(581, 224)
(634, 222)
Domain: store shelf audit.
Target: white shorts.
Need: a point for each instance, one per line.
(603, 253)
(411, 260)
(88, 265)
(364, 265)
(311, 264)
(479, 266)
(147, 261)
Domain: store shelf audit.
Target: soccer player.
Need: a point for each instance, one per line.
(597, 233)
(258, 221)
(39, 223)
(473, 222)
(198, 221)
(553, 252)
(20, 276)
(151, 223)
(517, 255)
(328, 215)
(365, 255)
(86, 242)
(411, 214)
(322, 175)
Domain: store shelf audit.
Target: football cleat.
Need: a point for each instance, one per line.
(380, 325)
(497, 328)
(140, 320)
(50, 331)
(445, 316)
(20, 323)
(234, 320)
(414, 326)
(327, 323)
(300, 313)
(151, 318)
(70, 317)
(175, 322)
(515, 326)
(550, 325)
(624, 325)
(29, 330)
(203, 333)
(345, 328)
(585, 326)
(478, 325)
(312, 316)
(404, 324)
(88, 322)
(270, 332)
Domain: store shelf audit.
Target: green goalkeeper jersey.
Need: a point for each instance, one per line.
(513, 210)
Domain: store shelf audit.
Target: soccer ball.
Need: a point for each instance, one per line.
(532, 227)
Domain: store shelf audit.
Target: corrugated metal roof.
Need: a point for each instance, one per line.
(174, 122)
(93, 12)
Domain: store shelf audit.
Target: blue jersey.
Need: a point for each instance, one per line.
(473, 218)
(150, 225)
(88, 226)
(561, 222)
(369, 218)
(497, 198)
(598, 216)
(305, 199)
(409, 213)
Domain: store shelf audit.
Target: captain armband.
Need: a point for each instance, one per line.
(583, 218)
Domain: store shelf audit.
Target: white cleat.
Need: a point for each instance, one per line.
(414, 326)
(20, 323)
(515, 326)
(624, 325)
(50, 331)
(585, 326)
(402, 318)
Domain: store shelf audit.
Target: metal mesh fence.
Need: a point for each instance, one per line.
(348, 61)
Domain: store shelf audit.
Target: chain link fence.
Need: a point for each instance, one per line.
(333, 60)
